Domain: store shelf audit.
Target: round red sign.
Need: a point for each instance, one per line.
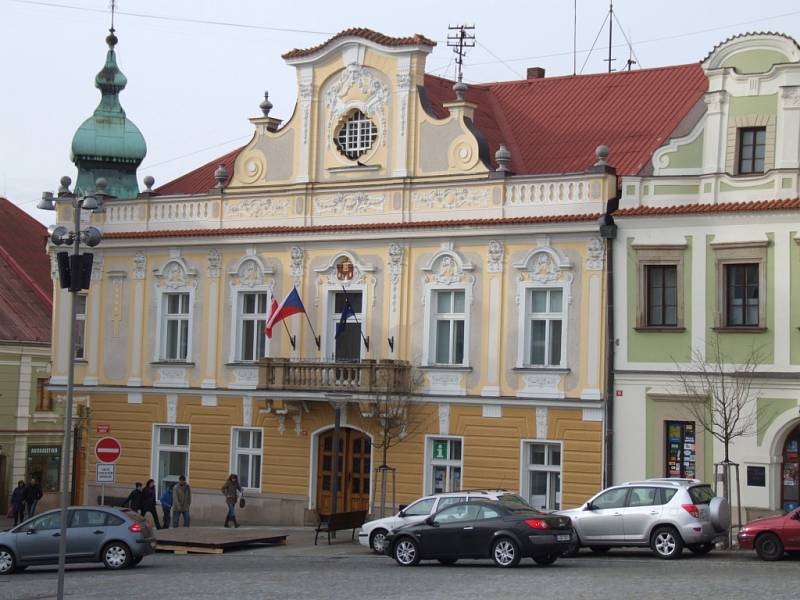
(107, 450)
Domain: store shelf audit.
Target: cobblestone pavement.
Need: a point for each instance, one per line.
(345, 570)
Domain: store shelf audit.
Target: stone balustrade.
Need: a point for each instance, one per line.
(364, 377)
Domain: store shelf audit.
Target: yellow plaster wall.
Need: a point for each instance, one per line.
(582, 455)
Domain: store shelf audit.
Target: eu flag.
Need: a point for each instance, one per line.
(347, 312)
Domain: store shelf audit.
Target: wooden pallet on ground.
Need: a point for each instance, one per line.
(216, 540)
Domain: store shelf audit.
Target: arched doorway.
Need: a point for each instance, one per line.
(355, 463)
(790, 471)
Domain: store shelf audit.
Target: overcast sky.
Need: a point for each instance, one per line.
(197, 69)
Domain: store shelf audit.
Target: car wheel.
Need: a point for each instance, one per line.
(545, 559)
(505, 553)
(600, 549)
(448, 561)
(769, 547)
(7, 561)
(406, 552)
(666, 543)
(701, 548)
(377, 540)
(116, 555)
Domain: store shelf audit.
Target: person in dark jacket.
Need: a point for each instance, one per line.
(33, 493)
(166, 503)
(149, 501)
(18, 502)
(232, 489)
(134, 500)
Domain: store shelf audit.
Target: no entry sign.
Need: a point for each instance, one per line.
(107, 450)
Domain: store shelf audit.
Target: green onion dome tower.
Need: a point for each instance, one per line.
(108, 144)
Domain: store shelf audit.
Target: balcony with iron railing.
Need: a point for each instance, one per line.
(310, 375)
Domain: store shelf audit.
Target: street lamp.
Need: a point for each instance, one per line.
(75, 273)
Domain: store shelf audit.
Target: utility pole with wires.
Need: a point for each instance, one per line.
(460, 41)
(609, 60)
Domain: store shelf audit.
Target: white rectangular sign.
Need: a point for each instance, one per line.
(105, 473)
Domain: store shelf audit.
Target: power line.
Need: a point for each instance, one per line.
(169, 160)
(505, 64)
(176, 19)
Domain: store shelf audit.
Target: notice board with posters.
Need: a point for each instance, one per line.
(681, 449)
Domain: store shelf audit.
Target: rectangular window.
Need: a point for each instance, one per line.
(752, 149)
(445, 463)
(543, 462)
(44, 399)
(44, 463)
(246, 459)
(448, 327)
(171, 449)
(681, 449)
(252, 318)
(80, 326)
(741, 293)
(176, 326)
(545, 318)
(662, 295)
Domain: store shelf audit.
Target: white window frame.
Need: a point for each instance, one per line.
(166, 317)
(526, 468)
(80, 324)
(356, 133)
(452, 317)
(235, 451)
(241, 318)
(527, 316)
(250, 274)
(429, 340)
(174, 276)
(157, 446)
(430, 462)
(334, 317)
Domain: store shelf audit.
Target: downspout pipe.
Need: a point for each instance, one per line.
(608, 231)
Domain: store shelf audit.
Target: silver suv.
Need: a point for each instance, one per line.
(664, 514)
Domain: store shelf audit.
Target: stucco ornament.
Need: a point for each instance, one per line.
(545, 265)
(446, 267)
(396, 252)
(297, 257)
(139, 265)
(496, 252)
(376, 95)
(176, 274)
(254, 208)
(594, 254)
(213, 263)
(97, 267)
(343, 203)
(449, 198)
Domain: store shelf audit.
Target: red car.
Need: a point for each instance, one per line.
(773, 536)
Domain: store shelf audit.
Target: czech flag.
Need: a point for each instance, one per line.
(291, 305)
(272, 310)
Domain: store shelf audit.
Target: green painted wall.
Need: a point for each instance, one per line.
(681, 190)
(736, 347)
(753, 105)
(755, 61)
(659, 346)
(768, 409)
(727, 187)
(9, 391)
(794, 299)
(688, 155)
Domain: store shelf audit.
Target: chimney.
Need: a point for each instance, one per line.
(535, 73)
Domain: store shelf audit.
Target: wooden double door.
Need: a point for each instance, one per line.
(355, 462)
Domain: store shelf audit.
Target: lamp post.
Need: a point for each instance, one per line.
(71, 271)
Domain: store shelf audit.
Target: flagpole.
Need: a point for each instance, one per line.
(366, 340)
(316, 337)
(292, 339)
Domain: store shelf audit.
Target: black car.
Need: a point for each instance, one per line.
(482, 529)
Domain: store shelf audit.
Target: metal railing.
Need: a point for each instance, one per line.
(366, 376)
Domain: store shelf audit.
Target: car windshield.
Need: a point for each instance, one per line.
(701, 494)
(514, 500)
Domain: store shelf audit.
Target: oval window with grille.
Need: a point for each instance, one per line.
(356, 135)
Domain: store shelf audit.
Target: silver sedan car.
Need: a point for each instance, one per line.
(117, 538)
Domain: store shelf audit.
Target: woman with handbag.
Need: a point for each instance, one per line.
(232, 490)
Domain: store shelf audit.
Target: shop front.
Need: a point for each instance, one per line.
(790, 471)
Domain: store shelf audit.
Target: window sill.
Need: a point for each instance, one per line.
(354, 169)
(663, 329)
(172, 363)
(81, 361)
(464, 368)
(243, 363)
(740, 329)
(533, 369)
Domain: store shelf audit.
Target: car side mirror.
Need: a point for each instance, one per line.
(402, 507)
(588, 506)
(430, 521)
(30, 531)
(401, 514)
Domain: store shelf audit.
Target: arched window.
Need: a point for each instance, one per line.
(791, 471)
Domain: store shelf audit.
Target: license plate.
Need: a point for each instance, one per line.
(563, 538)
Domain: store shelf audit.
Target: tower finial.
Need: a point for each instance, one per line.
(113, 10)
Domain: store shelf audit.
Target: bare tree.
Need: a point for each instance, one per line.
(394, 419)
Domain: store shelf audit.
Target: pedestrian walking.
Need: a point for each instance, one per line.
(134, 499)
(33, 493)
(18, 503)
(149, 501)
(232, 489)
(166, 503)
(181, 501)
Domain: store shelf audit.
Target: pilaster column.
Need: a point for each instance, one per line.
(137, 310)
(93, 320)
(494, 350)
(212, 320)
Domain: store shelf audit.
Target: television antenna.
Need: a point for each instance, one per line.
(460, 41)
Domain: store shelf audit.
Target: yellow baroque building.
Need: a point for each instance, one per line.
(459, 223)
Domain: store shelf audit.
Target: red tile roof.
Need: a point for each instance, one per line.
(722, 207)
(554, 124)
(27, 289)
(201, 179)
(367, 34)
